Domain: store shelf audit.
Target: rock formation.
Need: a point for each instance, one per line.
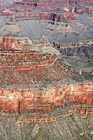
(46, 70)
(61, 84)
(40, 90)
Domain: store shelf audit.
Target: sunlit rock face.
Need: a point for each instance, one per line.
(60, 21)
(39, 91)
(54, 5)
(36, 3)
(46, 70)
(18, 101)
(9, 42)
(38, 81)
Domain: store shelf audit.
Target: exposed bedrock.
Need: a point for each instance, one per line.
(35, 4)
(40, 82)
(18, 101)
(46, 93)
(80, 49)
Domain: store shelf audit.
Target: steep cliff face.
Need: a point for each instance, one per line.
(36, 3)
(40, 82)
(83, 49)
(40, 91)
(18, 101)
(9, 42)
(49, 5)
(46, 88)
(58, 22)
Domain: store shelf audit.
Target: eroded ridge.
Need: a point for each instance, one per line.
(21, 61)
(39, 82)
(18, 101)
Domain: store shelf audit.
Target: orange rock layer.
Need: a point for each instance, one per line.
(18, 101)
(32, 61)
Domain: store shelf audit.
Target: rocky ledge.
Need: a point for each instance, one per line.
(38, 82)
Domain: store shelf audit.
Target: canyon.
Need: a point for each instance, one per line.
(40, 88)
(46, 70)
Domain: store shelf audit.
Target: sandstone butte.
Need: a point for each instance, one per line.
(39, 82)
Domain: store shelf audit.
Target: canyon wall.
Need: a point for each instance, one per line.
(18, 101)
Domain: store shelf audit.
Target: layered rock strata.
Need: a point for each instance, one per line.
(29, 100)
(45, 94)
(35, 81)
